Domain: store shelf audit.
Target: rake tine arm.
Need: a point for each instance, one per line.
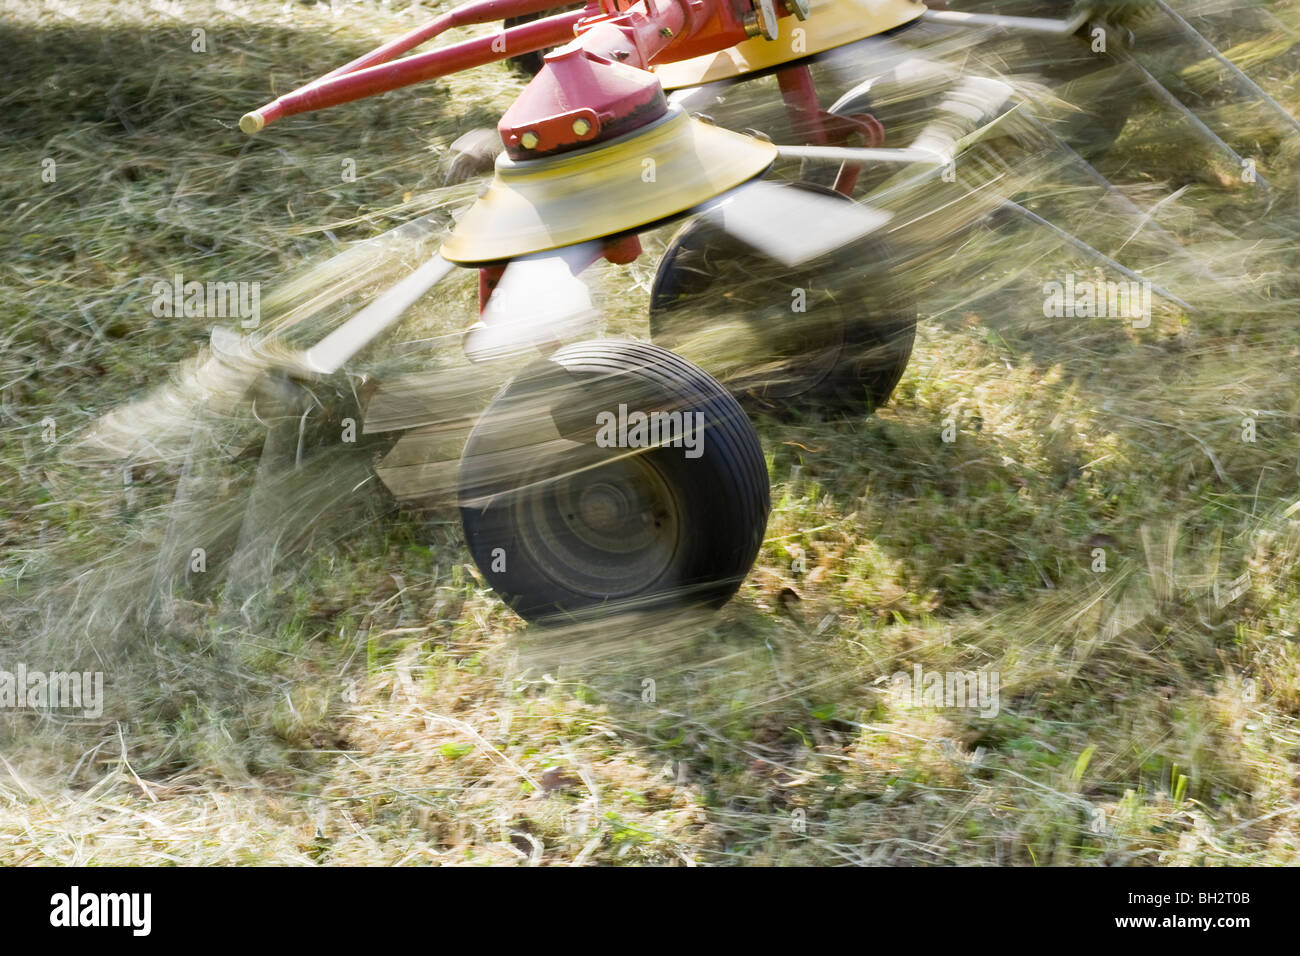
(853, 154)
(1243, 81)
(1110, 189)
(370, 81)
(479, 11)
(335, 350)
(1174, 103)
(1090, 252)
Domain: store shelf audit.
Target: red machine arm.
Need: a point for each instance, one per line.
(479, 11)
(636, 34)
(358, 83)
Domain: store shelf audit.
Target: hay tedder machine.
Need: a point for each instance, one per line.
(614, 474)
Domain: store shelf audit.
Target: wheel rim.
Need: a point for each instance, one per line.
(602, 528)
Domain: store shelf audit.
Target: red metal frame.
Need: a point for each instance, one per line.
(636, 35)
(479, 11)
(489, 277)
(337, 88)
(605, 69)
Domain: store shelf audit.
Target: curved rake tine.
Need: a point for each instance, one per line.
(257, 545)
(468, 14)
(967, 112)
(1174, 103)
(1244, 82)
(190, 488)
(1090, 252)
(157, 427)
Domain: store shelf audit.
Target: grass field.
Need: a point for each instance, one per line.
(1102, 516)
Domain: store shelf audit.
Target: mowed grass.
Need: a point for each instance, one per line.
(1079, 536)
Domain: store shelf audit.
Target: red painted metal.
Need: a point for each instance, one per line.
(636, 35)
(711, 26)
(605, 70)
(489, 277)
(479, 11)
(860, 129)
(801, 104)
(623, 251)
(614, 100)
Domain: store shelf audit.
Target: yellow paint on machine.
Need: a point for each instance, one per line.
(830, 24)
(667, 168)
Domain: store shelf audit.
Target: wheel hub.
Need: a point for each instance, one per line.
(604, 507)
(608, 528)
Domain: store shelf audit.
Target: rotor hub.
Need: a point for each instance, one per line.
(578, 99)
(654, 172)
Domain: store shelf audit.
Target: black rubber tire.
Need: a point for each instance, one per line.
(561, 527)
(851, 363)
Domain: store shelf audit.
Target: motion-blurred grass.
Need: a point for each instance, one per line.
(378, 705)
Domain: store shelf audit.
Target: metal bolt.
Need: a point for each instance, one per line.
(581, 127)
(529, 140)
